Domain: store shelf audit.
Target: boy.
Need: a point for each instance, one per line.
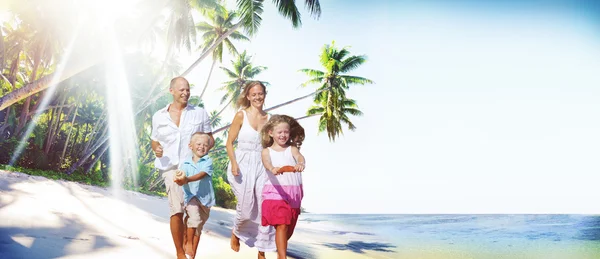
(198, 193)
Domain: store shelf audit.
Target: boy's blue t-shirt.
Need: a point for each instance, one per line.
(202, 189)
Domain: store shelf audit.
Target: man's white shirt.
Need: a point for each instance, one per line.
(175, 140)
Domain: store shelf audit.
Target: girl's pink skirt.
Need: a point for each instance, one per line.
(279, 212)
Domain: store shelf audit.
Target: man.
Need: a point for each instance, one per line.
(172, 128)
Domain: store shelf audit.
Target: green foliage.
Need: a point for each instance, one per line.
(78, 176)
(331, 101)
(223, 193)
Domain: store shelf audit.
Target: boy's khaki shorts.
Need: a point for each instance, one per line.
(174, 192)
(197, 215)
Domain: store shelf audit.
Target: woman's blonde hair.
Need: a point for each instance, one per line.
(242, 101)
(296, 131)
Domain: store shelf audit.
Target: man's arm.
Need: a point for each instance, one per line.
(156, 147)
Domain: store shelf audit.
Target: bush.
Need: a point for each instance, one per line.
(224, 194)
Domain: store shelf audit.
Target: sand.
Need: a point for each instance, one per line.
(43, 218)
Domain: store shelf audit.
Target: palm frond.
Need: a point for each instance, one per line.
(352, 111)
(229, 73)
(314, 8)
(288, 9)
(315, 110)
(238, 36)
(204, 26)
(356, 80)
(352, 63)
(250, 11)
(312, 72)
(315, 80)
(230, 47)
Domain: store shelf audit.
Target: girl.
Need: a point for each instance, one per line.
(282, 193)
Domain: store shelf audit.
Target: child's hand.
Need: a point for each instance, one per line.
(182, 181)
(180, 178)
(275, 170)
(299, 167)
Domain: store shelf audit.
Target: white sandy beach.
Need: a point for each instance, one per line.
(43, 218)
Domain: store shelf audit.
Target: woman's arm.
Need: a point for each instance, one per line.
(234, 130)
(300, 162)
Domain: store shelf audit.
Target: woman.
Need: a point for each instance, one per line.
(246, 173)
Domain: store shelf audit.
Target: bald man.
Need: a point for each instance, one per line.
(172, 128)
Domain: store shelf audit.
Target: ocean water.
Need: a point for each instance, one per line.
(456, 236)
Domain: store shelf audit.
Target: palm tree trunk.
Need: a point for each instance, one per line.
(55, 127)
(158, 180)
(75, 141)
(62, 156)
(25, 110)
(295, 100)
(101, 120)
(221, 111)
(5, 124)
(212, 48)
(87, 155)
(208, 79)
(202, 57)
(98, 156)
(43, 83)
(278, 106)
(221, 148)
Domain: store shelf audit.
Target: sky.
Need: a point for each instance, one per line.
(476, 108)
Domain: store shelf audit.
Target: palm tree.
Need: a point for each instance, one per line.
(333, 86)
(215, 119)
(221, 22)
(250, 18)
(250, 13)
(137, 29)
(331, 101)
(243, 70)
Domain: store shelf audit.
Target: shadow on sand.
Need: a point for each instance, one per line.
(361, 247)
(40, 242)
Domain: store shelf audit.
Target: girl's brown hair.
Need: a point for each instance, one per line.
(296, 131)
(242, 101)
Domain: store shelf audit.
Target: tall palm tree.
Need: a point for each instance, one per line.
(242, 71)
(330, 99)
(220, 23)
(250, 12)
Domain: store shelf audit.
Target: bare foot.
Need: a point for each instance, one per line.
(188, 250)
(235, 242)
(261, 255)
